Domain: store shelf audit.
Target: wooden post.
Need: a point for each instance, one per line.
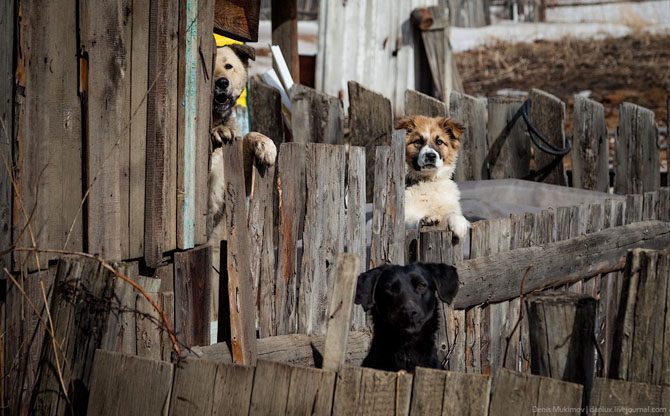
(508, 153)
(363, 391)
(471, 112)
(285, 33)
(388, 225)
(265, 107)
(547, 113)
(636, 161)
(562, 337)
(590, 157)
(370, 125)
(316, 117)
(242, 304)
(193, 294)
(641, 352)
(438, 392)
(434, 29)
(238, 20)
(339, 314)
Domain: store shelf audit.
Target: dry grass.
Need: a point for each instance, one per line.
(635, 69)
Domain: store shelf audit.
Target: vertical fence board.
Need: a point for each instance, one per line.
(316, 117)
(355, 228)
(148, 328)
(366, 391)
(261, 234)
(241, 300)
(471, 112)
(113, 394)
(192, 293)
(159, 134)
(590, 156)
(388, 226)
(649, 206)
(547, 114)
(291, 211)
(370, 125)
(508, 146)
(139, 86)
(7, 69)
(311, 392)
(419, 104)
(610, 394)
(634, 206)
(636, 156)
(323, 236)
(49, 169)
(271, 387)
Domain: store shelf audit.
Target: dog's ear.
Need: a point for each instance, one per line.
(452, 127)
(244, 52)
(406, 123)
(445, 278)
(365, 287)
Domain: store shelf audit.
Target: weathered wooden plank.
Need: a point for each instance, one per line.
(634, 206)
(285, 33)
(139, 85)
(162, 24)
(310, 392)
(148, 328)
(265, 107)
(173, 145)
(105, 33)
(7, 69)
(470, 112)
(508, 154)
(366, 391)
(48, 170)
(340, 311)
(562, 326)
(23, 336)
(297, 349)
(167, 303)
(291, 188)
(649, 206)
(497, 278)
(636, 158)
(663, 213)
(121, 326)
(639, 344)
(262, 249)
(271, 387)
(438, 52)
(323, 235)
(370, 125)
(206, 387)
(355, 228)
(192, 293)
(590, 157)
(621, 397)
(388, 225)
(237, 20)
(438, 392)
(417, 103)
(112, 394)
(238, 274)
(79, 309)
(547, 113)
(525, 394)
(463, 13)
(316, 117)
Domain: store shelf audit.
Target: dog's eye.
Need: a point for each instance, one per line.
(228, 66)
(439, 141)
(420, 287)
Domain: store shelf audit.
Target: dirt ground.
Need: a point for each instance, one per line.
(634, 69)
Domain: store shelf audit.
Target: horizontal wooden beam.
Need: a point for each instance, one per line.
(500, 277)
(297, 349)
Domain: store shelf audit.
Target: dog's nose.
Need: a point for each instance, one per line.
(431, 157)
(222, 83)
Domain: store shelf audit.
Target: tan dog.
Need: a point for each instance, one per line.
(230, 78)
(431, 152)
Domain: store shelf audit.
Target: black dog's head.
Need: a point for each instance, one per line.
(404, 297)
(230, 77)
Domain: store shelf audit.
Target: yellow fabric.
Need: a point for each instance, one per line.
(223, 41)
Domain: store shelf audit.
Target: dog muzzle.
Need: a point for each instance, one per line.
(429, 159)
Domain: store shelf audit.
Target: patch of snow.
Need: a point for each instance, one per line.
(649, 13)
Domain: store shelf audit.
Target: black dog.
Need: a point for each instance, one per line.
(405, 313)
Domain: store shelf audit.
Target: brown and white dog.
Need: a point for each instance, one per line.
(431, 152)
(230, 78)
